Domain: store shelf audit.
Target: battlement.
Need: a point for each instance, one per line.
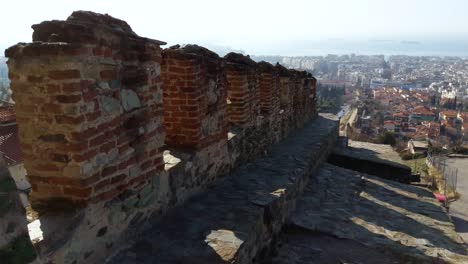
(107, 117)
(96, 103)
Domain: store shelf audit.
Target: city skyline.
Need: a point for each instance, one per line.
(270, 27)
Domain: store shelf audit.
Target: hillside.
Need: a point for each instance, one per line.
(5, 93)
(3, 68)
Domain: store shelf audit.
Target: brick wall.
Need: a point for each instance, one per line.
(269, 88)
(89, 107)
(285, 94)
(97, 104)
(242, 89)
(310, 87)
(194, 97)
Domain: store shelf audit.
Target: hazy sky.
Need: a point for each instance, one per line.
(255, 26)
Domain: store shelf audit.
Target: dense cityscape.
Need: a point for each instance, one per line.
(423, 100)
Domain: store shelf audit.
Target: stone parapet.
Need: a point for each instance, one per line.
(269, 89)
(89, 108)
(242, 89)
(116, 131)
(194, 97)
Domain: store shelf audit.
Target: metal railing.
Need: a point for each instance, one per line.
(449, 174)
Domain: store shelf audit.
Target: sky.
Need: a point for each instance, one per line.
(255, 26)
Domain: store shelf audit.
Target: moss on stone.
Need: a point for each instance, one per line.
(5, 204)
(7, 185)
(61, 205)
(18, 251)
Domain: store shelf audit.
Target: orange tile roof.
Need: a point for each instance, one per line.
(9, 144)
(449, 113)
(421, 110)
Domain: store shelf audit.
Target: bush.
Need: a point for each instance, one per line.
(387, 138)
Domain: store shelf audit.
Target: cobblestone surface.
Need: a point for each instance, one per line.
(402, 220)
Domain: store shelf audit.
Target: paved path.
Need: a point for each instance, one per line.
(459, 209)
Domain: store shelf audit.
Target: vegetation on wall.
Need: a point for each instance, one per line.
(329, 98)
(20, 251)
(387, 138)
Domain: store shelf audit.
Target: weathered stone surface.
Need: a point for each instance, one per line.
(129, 99)
(377, 159)
(403, 220)
(240, 215)
(15, 244)
(301, 246)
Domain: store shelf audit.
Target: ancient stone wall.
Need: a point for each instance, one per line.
(269, 88)
(15, 245)
(286, 92)
(243, 92)
(112, 124)
(89, 108)
(194, 97)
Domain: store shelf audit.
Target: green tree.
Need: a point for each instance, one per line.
(387, 138)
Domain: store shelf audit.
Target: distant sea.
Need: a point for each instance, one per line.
(420, 47)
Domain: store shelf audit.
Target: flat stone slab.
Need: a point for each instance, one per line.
(237, 218)
(379, 153)
(398, 219)
(376, 159)
(299, 246)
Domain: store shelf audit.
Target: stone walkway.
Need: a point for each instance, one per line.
(377, 152)
(398, 220)
(375, 159)
(300, 246)
(238, 218)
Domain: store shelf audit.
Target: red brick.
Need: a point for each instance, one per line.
(52, 108)
(67, 99)
(100, 139)
(64, 74)
(108, 171)
(83, 135)
(108, 74)
(53, 88)
(118, 178)
(46, 167)
(72, 87)
(107, 146)
(35, 79)
(102, 184)
(90, 95)
(78, 192)
(81, 146)
(84, 157)
(70, 120)
(93, 116)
